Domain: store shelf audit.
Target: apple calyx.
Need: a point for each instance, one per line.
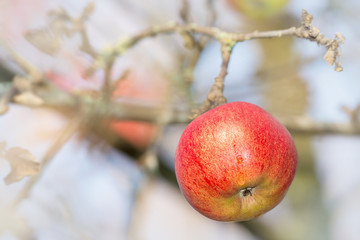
(246, 191)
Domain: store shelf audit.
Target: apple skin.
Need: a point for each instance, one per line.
(258, 9)
(235, 162)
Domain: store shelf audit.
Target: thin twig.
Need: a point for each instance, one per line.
(115, 84)
(306, 125)
(353, 113)
(138, 112)
(107, 86)
(33, 73)
(227, 40)
(210, 5)
(215, 96)
(85, 45)
(65, 135)
(305, 31)
(212, 16)
(185, 11)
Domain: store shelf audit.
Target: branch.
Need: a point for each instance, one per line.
(215, 96)
(61, 25)
(203, 40)
(80, 25)
(306, 31)
(34, 75)
(107, 87)
(137, 112)
(312, 33)
(228, 39)
(124, 111)
(353, 113)
(64, 136)
(212, 12)
(185, 11)
(305, 125)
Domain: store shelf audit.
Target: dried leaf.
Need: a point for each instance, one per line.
(28, 99)
(44, 40)
(340, 37)
(59, 13)
(338, 67)
(22, 163)
(59, 28)
(330, 56)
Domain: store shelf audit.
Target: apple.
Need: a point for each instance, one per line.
(142, 88)
(258, 9)
(235, 162)
(139, 134)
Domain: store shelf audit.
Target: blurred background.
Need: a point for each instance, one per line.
(111, 179)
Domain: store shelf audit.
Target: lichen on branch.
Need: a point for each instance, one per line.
(312, 33)
(215, 96)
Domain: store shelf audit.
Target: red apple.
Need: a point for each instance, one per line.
(139, 134)
(235, 162)
(143, 88)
